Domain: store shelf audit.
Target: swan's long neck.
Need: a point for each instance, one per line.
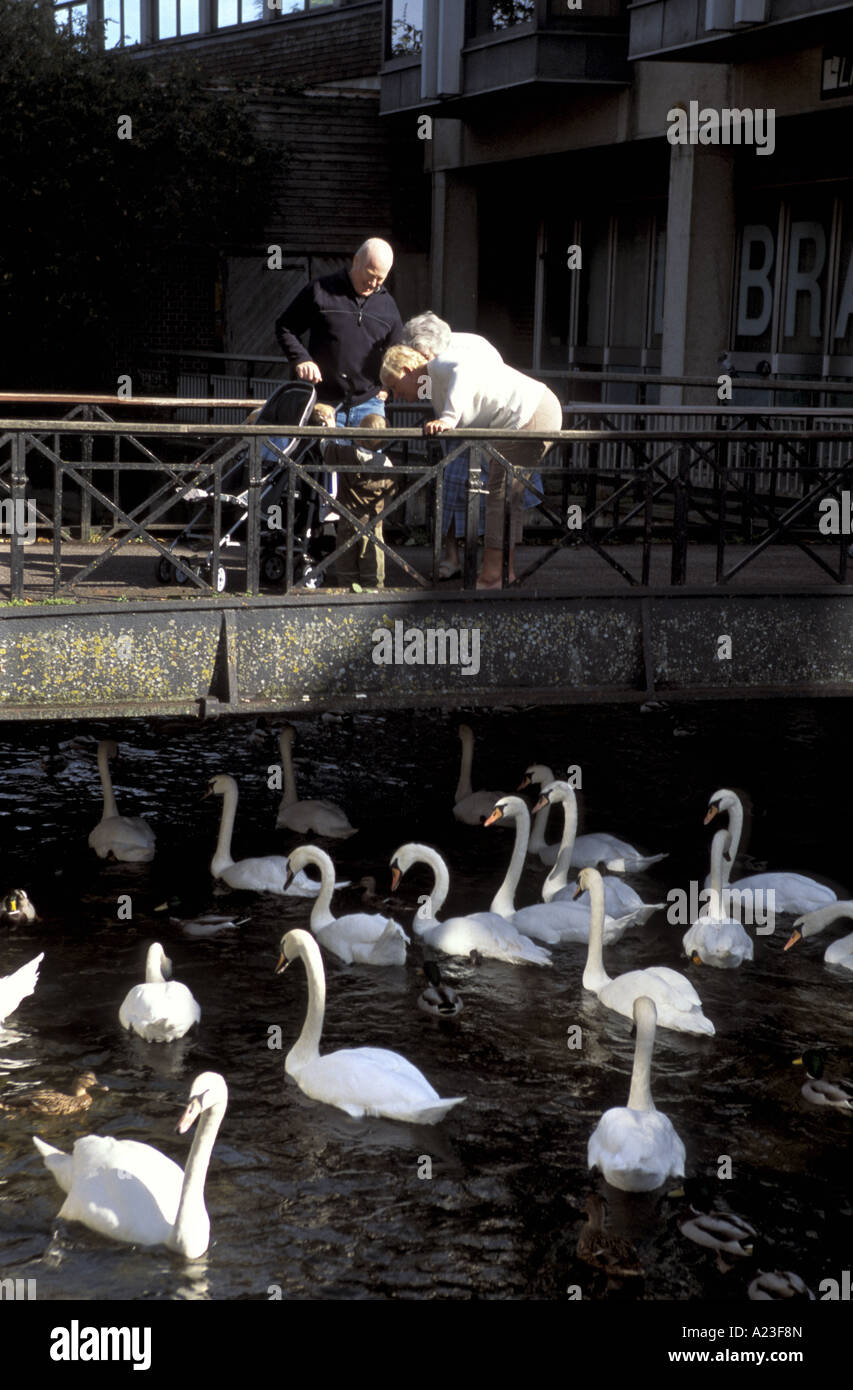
(718, 845)
(222, 857)
(640, 1095)
(595, 977)
(503, 902)
(110, 808)
(307, 1046)
(559, 875)
(463, 786)
(540, 820)
(735, 832)
(284, 743)
(824, 917)
(192, 1221)
(321, 912)
(440, 880)
(153, 972)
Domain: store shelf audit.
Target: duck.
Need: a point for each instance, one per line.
(779, 1283)
(715, 939)
(552, 922)
(129, 839)
(729, 1235)
(209, 924)
(635, 1146)
(47, 1102)
(838, 952)
(479, 934)
(307, 817)
(470, 807)
(268, 874)
(17, 908)
(360, 1080)
(15, 987)
(162, 1009)
(597, 1247)
(370, 897)
(791, 892)
(620, 899)
(360, 938)
(131, 1192)
(678, 1005)
(836, 1094)
(438, 999)
(588, 850)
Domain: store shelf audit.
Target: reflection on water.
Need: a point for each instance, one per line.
(304, 1199)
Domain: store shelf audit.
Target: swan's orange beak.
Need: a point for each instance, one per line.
(712, 811)
(283, 963)
(792, 940)
(695, 959)
(190, 1115)
(541, 804)
(525, 782)
(395, 878)
(578, 891)
(496, 815)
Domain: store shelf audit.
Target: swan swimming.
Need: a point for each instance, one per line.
(792, 892)
(129, 839)
(361, 938)
(635, 1146)
(307, 817)
(268, 874)
(838, 952)
(470, 807)
(487, 933)
(678, 1005)
(716, 939)
(588, 850)
(15, 987)
(162, 1009)
(130, 1191)
(359, 1080)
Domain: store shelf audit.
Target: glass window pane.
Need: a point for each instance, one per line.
(189, 17)
(132, 21)
(407, 27)
(842, 317)
(629, 289)
(806, 275)
(756, 277)
(506, 13)
(592, 315)
(227, 13)
(76, 16)
(112, 23)
(168, 21)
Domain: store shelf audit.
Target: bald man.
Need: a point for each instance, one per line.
(351, 320)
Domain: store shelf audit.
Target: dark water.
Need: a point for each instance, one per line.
(322, 1206)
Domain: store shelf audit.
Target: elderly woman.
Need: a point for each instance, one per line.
(470, 385)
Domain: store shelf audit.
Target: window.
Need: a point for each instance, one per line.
(122, 23)
(73, 16)
(407, 28)
(490, 16)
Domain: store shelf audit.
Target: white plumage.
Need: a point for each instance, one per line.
(162, 1009)
(470, 807)
(718, 940)
(360, 938)
(588, 850)
(791, 892)
(127, 838)
(268, 874)
(838, 952)
(314, 817)
(15, 987)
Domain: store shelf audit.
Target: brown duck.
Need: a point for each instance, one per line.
(47, 1102)
(596, 1247)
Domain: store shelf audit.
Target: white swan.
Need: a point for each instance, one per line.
(838, 952)
(470, 807)
(162, 1009)
(791, 892)
(307, 817)
(360, 1080)
(552, 923)
(616, 855)
(266, 875)
(716, 939)
(620, 899)
(487, 933)
(127, 838)
(130, 1191)
(635, 1146)
(678, 1005)
(362, 938)
(15, 987)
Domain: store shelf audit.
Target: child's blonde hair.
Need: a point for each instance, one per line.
(399, 360)
(323, 415)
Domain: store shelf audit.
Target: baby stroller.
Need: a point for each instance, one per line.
(291, 404)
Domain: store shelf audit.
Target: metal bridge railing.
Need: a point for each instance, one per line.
(665, 476)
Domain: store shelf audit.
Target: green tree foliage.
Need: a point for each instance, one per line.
(89, 217)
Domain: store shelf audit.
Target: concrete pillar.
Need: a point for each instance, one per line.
(700, 238)
(454, 250)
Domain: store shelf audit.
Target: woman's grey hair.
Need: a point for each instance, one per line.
(427, 333)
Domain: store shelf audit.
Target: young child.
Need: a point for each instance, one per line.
(366, 496)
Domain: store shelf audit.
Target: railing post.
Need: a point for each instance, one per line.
(19, 493)
(722, 452)
(291, 522)
(85, 495)
(678, 573)
(57, 524)
(476, 458)
(253, 539)
(436, 456)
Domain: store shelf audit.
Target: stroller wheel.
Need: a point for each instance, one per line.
(179, 576)
(273, 567)
(165, 571)
(219, 582)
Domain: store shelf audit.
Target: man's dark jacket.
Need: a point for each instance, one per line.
(348, 334)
